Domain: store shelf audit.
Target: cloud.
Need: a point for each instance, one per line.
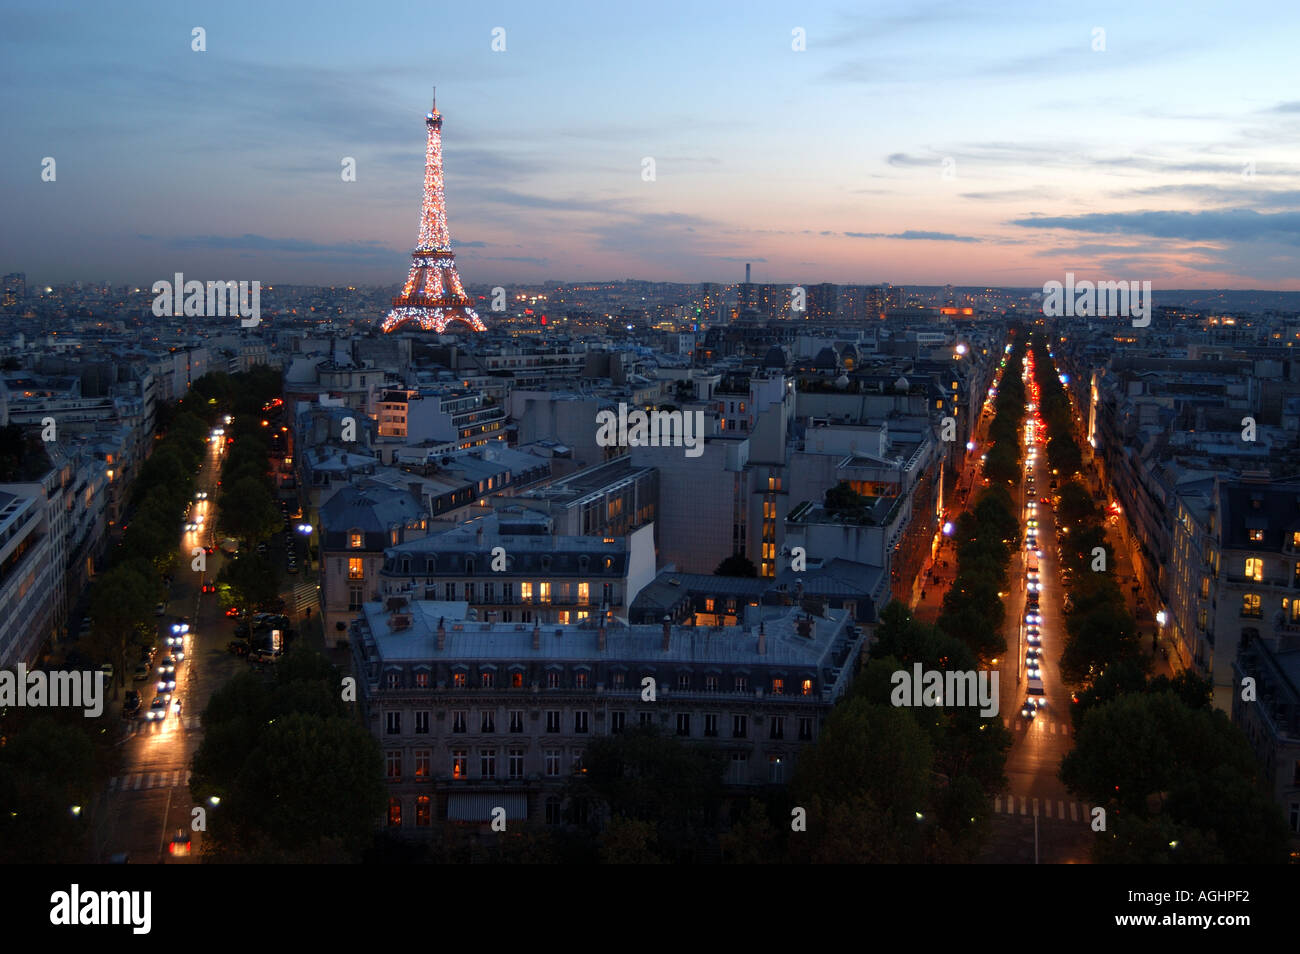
(363, 250)
(1237, 225)
(456, 243)
(731, 258)
(914, 235)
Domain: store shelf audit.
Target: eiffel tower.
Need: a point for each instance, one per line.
(433, 296)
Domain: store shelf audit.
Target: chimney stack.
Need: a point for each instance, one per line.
(537, 636)
(668, 632)
(762, 638)
(442, 634)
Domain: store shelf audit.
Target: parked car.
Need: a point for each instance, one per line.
(160, 609)
(142, 672)
(131, 704)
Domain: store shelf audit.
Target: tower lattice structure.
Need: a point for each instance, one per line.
(433, 296)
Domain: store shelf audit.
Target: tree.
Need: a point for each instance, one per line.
(737, 565)
(252, 580)
(843, 500)
(648, 777)
(121, 604)
(248, 512)
(628, 841)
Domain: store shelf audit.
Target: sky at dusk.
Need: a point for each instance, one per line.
(917, 143)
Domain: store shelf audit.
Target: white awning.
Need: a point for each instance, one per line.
(478, 806)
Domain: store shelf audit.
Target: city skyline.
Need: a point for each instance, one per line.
(989, 149)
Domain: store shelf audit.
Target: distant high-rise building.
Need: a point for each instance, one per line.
(823, 302)
(433, 296)
(14, 290)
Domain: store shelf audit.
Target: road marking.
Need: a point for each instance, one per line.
(1060, 810)
(1024, 806)
(139, 778)
(176, 778)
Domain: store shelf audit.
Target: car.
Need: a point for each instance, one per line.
(180, 845)
(233, 612)
(178, 652)
(1045, 501)
(166, 686)
(201, 495)
(209, 587)
(1028, 710)
(160, 609)
(158, 710)
(142, 672)
(1032, 524)
(1033, 618)
(167, 664)
(131, 704)
(1034, 639)
(191, 527)
(210, 550)
(237, 647)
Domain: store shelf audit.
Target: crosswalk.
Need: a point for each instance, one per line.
(1044, 726)
(136, 726)
(143, 781)
(1057, 808)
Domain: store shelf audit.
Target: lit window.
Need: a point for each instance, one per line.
(356, 539)
(1255, 568)
(355, 569)
(395, 813)
(807, 687)
(1251, 604)
(778, 687)
(422, 759)
(459, 763)
(584, 593)
(526, 592)
(544, 592)
(393, 767)
(459, 680)
(423, 811)
(1257, 535)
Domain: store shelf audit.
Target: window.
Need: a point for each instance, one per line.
(525, 592)
(776, 727)
(620, 678)
(645, 718)
(394, 680)
(517, 721)
(516, 765)
(552, 810)
(710, 724)
(580, 679)
(584, 593)
(487, 680)
(459, 680)
(552, 763)
(553, 680)
(422, 679)
(507, 593)
(1254, 568)
(739, 767)
(543, 592)
(423, 811)
(394, 813)
(742, 684)
(552, 720)
(807, 687)
(739, 727)
(489, 723)
(580, 721)
(489, 592)
(684, 723)
(354, 597)
(710, 683)
(487, 763)
(423, 759)
(1257, 535)
(778, 687)
(684, 682)
(775, 769)
(356, 539)
(356, 571)
(607, 593)
(1205, 586)
(617, 722)
(805, 728)
(392, 723)
(451, 592)
(1251, 605)
(458, 720)
(393, 764)
(516, 680)
(422, 722)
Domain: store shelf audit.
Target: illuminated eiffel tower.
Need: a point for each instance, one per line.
(433, 296)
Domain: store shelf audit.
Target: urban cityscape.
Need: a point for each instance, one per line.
(360, 514)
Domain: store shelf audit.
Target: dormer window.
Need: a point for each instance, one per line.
(356, 539)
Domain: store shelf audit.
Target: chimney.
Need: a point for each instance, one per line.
(537, 636)
(805, 627)
(762, 639)
(442, 634)
(668, 632)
